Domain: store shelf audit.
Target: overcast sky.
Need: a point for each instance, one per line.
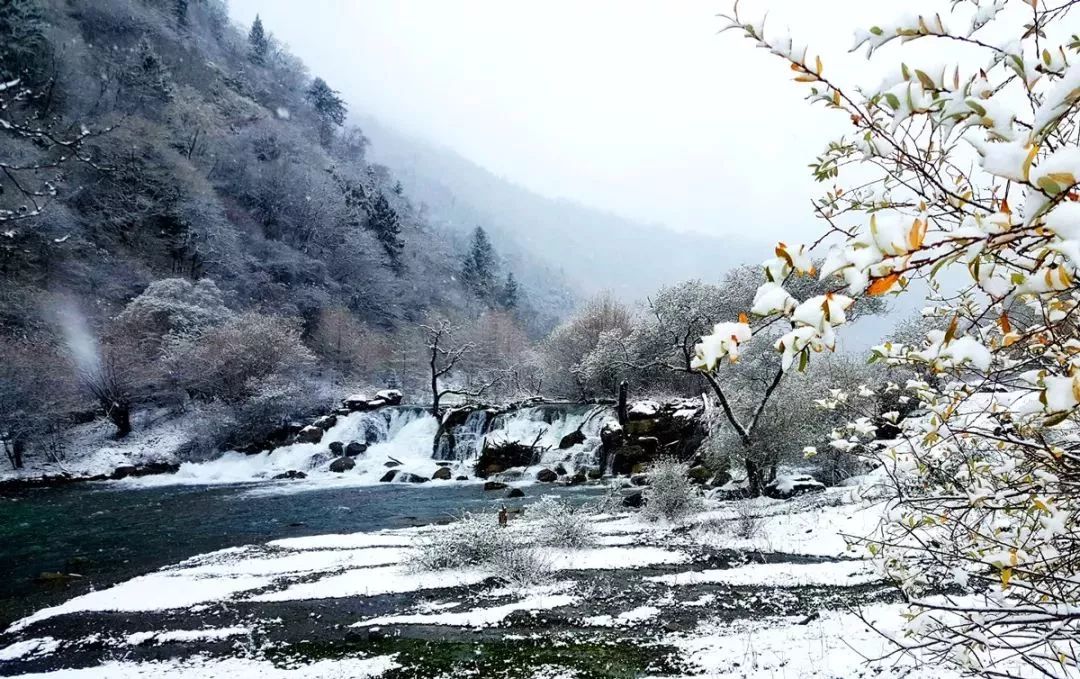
(636, 107)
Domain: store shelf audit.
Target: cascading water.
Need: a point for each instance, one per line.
(401, 438)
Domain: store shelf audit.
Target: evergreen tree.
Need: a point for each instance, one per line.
(478, 271)
(24, 51)
(146, 79)
(258, 42)
(383, 222)
(329, 106)
(508, 296)
(180, 11)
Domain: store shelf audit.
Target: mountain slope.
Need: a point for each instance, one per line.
(593, 249)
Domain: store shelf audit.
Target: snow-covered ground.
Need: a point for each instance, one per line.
(691, 600)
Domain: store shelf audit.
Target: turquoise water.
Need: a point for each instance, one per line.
(107, 532)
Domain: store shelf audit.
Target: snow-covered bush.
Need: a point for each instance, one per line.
(670, 495)
(748, 521)
(964, 175)
(560, 524)
(476, 540)
(523, 566)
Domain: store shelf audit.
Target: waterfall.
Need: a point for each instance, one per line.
(401, 438)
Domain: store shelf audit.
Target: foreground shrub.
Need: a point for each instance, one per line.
(670, 495)
(562, 524)
(475, 540)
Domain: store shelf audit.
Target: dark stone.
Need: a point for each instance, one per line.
(596, 473)
(342, 465)
(561, 470)
(123, 472)
(516, 492)
(325, 422)
(391, 463)
(317, 460)
(355, 449)
(634, 500)
(388, 476)
(442, 474)
(626, 457)
(406, 477)
(699, 474)
(461, 478)
(578, 479)
(310, 434)
(639, 480)
(796, 485)
(291, 474)
(572, 439)
(337, 448)
(495, 485)
(650, 444)
(546, 476)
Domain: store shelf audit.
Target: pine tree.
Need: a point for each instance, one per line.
(146, 79)
(329, 106)
(508, 296)
(383, 222)
(258, 42)
(478, 271)
(24, 50)
(180, 11)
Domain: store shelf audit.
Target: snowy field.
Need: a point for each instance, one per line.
(642, 600)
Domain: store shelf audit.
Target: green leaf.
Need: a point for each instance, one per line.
(892, 100)
(1049, 185)
(927, 81)
(876, 30)
(977, 107)
(1056, 418)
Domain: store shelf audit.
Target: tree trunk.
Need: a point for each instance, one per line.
(120, 415)
(756, 479)
(624, 391)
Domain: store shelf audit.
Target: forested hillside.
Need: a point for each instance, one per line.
(187, 217)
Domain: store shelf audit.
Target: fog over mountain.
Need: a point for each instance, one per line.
(591, 249)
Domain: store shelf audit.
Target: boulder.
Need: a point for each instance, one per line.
(325, 422)
(574, 438)
(391, 463)
(546, 476)
(495, 485)
(784, 487)
(516, 492)
(634, 500)
(337, 448)
(406, 477)
(355, 449)
(342, 465)
(700, 474)
(442, 474)
(388, 476)
(561, 470)
(461, 478)
(639, 480)
(596, 473)
(124, 471)
(625, 457)
(391, 397)
(310, 434)
(318, 461)
(578, 478)
(291, 474)
(650, 444)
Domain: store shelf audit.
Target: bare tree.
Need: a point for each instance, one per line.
(444, 355)
(107, 385)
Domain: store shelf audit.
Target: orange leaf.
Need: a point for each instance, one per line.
(743, 318)
(882, 285)
(1006, 326)
(1005, 206)
(917, 234)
